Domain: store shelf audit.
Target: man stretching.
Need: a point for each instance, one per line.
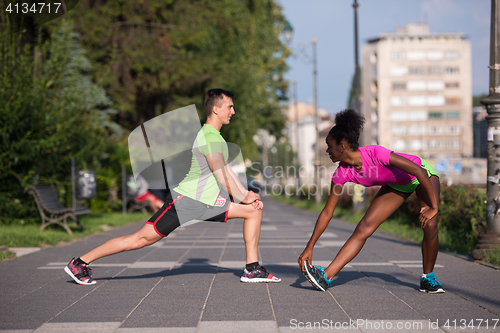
(198, 196)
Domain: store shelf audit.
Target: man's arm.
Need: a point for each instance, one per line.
(228, 182)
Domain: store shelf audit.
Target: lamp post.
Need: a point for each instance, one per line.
(297, 142)
(491, 239)
(288, 32)
(359, 202)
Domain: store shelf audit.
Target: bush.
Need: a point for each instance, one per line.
(461, 220)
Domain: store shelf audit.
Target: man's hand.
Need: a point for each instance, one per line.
(257, 204)
(250, 197)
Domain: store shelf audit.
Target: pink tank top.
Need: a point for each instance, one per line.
(376, 169)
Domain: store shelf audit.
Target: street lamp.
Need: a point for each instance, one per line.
(491, 239)
(297, 142)
(288, 32)
(359, 199)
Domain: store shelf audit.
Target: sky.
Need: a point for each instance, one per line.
(331, 22)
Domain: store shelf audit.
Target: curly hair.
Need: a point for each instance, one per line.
(348, 126)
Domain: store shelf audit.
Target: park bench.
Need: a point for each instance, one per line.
(51, 210)
(135, 205)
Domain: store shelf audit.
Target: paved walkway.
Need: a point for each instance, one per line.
(190, 283)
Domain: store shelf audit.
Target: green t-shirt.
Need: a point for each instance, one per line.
(200, 183)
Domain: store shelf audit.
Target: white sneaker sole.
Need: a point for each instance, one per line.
(260, 280)
(68, 271)
(439, 291)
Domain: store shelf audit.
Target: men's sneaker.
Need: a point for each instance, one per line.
(80, 272)
(316, 275)
(430, 284)
(259, 274)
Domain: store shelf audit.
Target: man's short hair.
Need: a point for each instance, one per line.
(213, 97)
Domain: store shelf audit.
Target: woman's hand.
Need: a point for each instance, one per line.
(426, 214)
(305, 255)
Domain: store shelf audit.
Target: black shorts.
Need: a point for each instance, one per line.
(179, 209)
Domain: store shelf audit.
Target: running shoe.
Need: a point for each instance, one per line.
(259, 274)
(316, 275)
(430, 284)
(80, 272)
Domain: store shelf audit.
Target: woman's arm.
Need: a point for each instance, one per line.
(323, 220)
(408, 166)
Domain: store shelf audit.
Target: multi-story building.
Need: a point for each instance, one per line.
(416, 92)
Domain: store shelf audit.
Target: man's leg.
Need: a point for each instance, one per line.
(251, 228)
(253, 271)
(78, 267)
(141, 238)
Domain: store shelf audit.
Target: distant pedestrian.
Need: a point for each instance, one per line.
(205, 194)
(143, 194)
(399, 175)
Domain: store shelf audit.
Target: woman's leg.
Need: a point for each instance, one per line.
(430, 243)
(385, 203)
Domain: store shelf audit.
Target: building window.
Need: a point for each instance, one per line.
(435, 85)
(416, 70)
(435, 100)
(398, 101)
(398, 70)
(435, 115)
(453, 115)
(417, 145)
(453, 130)
(434, 55)
(451, 55)
(399, 116)
(398, 145)
(435, 144)
(457, 144)
(435, 130)
(416, 85)
(398, 55)
(452, 85)
(452, 100)
(418, 115)
(373, 57)
(398, 86)
(417, 100)
(416, 55)
(417, 130)
(449, 144)
(398, 130)
(451, 70)
(434, 70)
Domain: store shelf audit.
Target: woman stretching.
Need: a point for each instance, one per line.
(399, 175)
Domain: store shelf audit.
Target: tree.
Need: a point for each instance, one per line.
(50, 112)
(160, 55)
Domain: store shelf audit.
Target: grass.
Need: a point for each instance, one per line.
(4, 255)
(30, 235)
(493, 256)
